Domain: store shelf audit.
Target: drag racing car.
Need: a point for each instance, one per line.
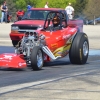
(55, 39)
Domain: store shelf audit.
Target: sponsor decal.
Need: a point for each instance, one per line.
(7, 57)
(55, 45)
(66, 36)
(22, 64)
(73, 30)
(80, 54)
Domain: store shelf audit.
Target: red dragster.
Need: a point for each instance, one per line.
(46, 34)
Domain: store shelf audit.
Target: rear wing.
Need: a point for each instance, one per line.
(76, 23)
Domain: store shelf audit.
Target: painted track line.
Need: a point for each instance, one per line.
(12, 88)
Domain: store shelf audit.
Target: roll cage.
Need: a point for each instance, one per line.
(49, 18)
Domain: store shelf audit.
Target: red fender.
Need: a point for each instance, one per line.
(12, 60)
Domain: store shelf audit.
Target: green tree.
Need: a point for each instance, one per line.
(11, 5)
(54, 3)
(92, 9)
(79, 5)
(0, 14)
(12, 8)
(22, 4)
(1, 2)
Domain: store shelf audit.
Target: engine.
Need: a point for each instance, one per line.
(29, 40)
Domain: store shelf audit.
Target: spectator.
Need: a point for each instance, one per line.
(29, 7)
(70, 11)
(4, 10)
(19, 14)
(46, 5)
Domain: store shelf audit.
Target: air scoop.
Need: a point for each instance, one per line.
(12, 60)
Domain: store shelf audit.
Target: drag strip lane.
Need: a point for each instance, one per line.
(13, 80)
(12, 88)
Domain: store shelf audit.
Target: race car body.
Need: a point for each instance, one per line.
(12, 60)
(41, 40)
(59, 41)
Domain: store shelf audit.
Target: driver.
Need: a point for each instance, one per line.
(56, 21)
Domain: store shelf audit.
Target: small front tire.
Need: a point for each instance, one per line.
(37, 58)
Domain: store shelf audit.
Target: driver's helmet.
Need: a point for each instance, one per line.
(56, 20)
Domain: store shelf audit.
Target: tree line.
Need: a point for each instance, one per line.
(88, 8)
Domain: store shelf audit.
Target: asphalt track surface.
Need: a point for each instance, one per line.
(58, 80)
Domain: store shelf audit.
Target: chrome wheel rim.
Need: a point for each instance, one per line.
(39, 59)
(85, 48)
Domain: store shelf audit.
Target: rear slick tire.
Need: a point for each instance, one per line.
(79, 50)
(37, 58)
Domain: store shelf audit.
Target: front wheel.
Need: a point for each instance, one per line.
(79, 50)
(37, 58)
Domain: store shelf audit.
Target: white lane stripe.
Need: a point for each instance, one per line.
(20, 86)
(26, 85)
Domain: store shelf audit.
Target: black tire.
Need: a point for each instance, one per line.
(14, 42)
(34, 59)
(79, 50)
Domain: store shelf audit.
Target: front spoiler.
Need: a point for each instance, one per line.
(12, 60)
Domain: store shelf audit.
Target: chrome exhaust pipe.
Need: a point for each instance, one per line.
(49, 53)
